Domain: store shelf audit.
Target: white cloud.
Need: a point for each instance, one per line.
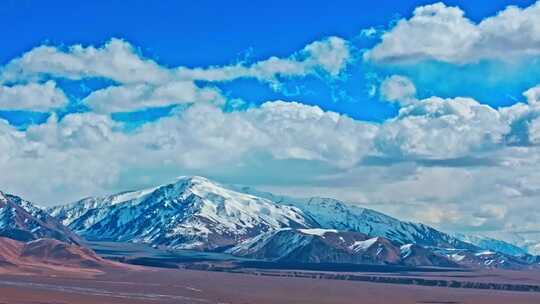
(69, 155)
(398, 88)
(32, 96)
(85, 153)
(330, 55)
(284, 130)
(533, 95)
(79, 131)
(441, 128)
(444, 33)
(303, 132)
(143, 83)
(369, 32)
(116, 60)
(523, 119)
(140, 96)
(412, 165)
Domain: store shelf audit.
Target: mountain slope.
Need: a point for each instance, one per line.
(9, 251)
(192, 213)
(197, 213)
(318, 246)
(45, 253)
(489, 243)
(334, 214)
(21, 220)
(332, 246)
(414, 255)
(527, 240)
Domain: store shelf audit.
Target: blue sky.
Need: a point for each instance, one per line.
(204, 33)
(415, 108)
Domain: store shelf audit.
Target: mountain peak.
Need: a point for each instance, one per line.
(194, 179)
(2, 196)
(191, 213)
(23, 221)
(199, 182)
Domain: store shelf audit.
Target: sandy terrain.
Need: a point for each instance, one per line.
(48, 281)
(186, 286)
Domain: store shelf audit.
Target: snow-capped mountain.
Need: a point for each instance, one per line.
(318, 246)
(489, 243)
(191, 213)
(488, 259)
(333, 246)
(526, 240)
(334, 214)
(415, 255)
(21, 220)
(196, 213)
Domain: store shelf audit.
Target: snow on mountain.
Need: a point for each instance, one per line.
(489, 243)
(192, 213)
(334, 214)
(318, 246)
(331, 246)
(414, 255)
(527, 240)
(23, 221)
(488, 259)
(196, 213)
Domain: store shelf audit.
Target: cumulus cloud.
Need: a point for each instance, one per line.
(397, 88)
(330, 55)
(201, 137)
(436, 154)
(140, 96)
(444, 33)
(116, 60)
(533, 95)
(32, 96)
(285, 130)
(441, 128)
(79, 131)
(69, 153)
(142, 83)
(523, 119)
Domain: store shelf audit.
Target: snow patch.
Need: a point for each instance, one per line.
(363, 245)
(317, 231)
(406, 250)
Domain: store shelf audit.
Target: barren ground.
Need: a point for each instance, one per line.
(155, 285)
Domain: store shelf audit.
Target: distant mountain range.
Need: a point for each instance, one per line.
(32, 240)
(529, 241)
(199, 214)
(196, 213)
(21, 220)
(332, 246)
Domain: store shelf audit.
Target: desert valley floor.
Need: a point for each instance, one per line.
(188, 286)
(223, 282)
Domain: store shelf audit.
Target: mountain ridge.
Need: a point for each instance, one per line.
(23, 221)
(198, 214)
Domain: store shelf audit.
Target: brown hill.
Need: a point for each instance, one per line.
(10, 250)
(44, 253)
(21, 220)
